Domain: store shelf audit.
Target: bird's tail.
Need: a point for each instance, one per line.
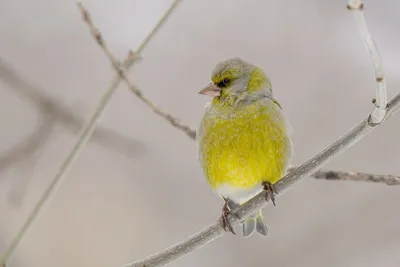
(254, 222)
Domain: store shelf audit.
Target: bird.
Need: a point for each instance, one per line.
(244, 139)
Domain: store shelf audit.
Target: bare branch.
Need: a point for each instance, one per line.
(83, 138)
(122, 73)
(357, 7)
(357, 177)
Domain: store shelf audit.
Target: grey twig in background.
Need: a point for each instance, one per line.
(28, 146)
(26, 149)
(81, 141)
(52, 112)
(26, 153)
(122, 73)
(357, 7)
(216, 230)
(357, 176)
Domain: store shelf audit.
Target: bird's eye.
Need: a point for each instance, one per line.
(224, 83)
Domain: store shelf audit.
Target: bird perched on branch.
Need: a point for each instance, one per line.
(243, 139)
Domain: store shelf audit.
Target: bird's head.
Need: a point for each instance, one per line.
(234, 79)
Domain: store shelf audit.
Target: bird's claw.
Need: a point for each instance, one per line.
(270, 189)
(224, 218)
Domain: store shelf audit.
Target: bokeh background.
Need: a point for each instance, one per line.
(137, 187)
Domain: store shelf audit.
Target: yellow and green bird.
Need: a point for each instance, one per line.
(243, 139)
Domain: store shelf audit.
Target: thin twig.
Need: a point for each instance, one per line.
(310, 167)
(122, 73)
(81, 141)
(357, 176)
(357, 7)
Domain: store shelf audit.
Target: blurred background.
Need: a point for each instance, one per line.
(137, 187)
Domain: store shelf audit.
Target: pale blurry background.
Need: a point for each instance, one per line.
(138, 188)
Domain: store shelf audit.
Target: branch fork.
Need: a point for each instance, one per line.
(380, 101)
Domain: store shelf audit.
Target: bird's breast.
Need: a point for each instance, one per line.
(243, 147)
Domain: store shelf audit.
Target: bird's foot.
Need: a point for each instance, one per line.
(224, 217)
(270, 189)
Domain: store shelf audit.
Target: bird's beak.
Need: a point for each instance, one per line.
(211, 90)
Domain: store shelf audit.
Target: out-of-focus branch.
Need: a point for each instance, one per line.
(357, 7)
(23, 174)
(82, 139)
(28, 146)
(73, 154)
(25, 150)
(26, 153)
(47, 104)
(53, 111)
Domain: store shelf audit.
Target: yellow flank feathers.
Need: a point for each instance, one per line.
(245, 145)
